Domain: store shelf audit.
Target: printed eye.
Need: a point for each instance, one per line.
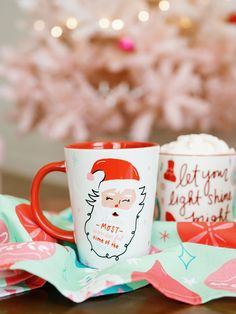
(109, 198)
(126, 200)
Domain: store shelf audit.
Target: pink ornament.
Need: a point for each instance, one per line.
(126, 44)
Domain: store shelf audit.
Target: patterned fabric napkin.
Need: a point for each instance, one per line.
(189, 262)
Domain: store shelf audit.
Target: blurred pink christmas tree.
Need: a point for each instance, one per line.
(90, 68)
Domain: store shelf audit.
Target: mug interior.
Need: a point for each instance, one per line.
(111, 145)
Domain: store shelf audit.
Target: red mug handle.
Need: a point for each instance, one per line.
(41, 220)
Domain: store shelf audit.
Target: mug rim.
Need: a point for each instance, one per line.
(198, 155)
(111, 145)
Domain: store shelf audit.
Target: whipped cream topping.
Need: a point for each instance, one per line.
(197, 144)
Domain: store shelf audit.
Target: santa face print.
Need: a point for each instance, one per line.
(114, 209)
(114, 199)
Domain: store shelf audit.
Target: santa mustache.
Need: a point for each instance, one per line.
(116, 214)
(113, 214)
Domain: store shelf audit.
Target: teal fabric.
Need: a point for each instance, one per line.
(189, 262)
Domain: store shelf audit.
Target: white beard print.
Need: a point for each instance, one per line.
(110, 230)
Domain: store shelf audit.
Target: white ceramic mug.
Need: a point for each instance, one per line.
(196, 187)
(112, 188)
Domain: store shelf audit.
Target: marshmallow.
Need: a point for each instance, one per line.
(197, 144)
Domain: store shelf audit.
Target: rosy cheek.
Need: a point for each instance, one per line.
(105, 203)
(108, 203)
(126, 206)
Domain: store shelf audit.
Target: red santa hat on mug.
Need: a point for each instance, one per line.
(114, 169)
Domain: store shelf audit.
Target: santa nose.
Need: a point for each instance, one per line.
(116, 205)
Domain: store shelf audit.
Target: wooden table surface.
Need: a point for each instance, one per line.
(47, 300)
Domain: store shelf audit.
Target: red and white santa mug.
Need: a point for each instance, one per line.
(112, 188)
